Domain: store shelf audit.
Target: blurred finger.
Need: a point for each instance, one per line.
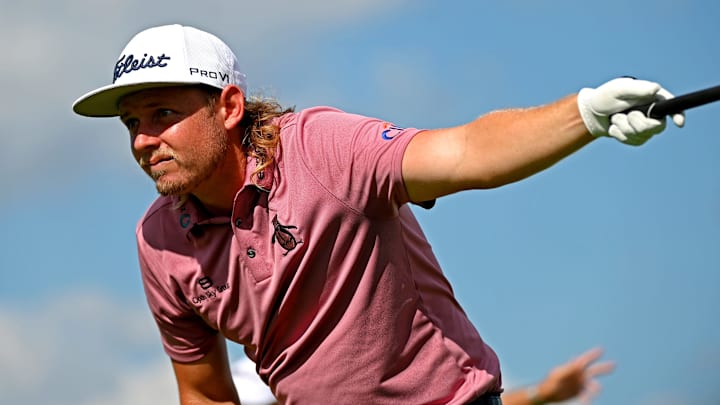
(599, 369)
(588, 357)
(592, 389)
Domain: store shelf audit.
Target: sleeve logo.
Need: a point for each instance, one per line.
(390, 131)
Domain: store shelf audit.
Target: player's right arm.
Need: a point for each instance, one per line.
(208, 380)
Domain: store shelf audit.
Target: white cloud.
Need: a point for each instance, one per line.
(80, 346)
(149, 385)
(88, 349)
(20, 368)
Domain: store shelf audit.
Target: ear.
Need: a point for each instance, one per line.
(232, 105)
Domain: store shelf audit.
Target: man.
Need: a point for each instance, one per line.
(290, 232)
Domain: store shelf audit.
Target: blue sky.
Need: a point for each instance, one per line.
(615, 246)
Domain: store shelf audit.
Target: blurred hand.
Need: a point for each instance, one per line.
(576, 378)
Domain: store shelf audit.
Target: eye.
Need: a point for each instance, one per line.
(163, 113)
(131, 124)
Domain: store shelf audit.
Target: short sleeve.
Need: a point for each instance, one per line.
(356, 158)
(185, 335)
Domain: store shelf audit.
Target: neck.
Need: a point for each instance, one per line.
(217, 193)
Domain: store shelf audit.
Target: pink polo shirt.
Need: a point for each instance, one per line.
(323, 274)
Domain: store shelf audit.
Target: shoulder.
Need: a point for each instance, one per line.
(332, 128)
(161, 219)
(157, 210)
(320, 116)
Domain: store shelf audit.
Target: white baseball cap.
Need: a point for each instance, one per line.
(168, 55)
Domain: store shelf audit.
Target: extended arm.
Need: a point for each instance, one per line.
(208, 380)
(506, 146)
(496, 149)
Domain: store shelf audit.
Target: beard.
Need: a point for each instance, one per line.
(194, 166)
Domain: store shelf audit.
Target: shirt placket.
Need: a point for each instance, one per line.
(250, 230)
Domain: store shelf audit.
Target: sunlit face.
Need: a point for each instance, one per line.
(175, 135)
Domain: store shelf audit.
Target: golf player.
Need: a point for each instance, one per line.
(291, 232)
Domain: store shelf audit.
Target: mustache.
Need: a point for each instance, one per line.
(155, 156)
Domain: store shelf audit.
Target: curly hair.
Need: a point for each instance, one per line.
(262, 134)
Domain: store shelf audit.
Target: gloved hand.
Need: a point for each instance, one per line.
(601, 108)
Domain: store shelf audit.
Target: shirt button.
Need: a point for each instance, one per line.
(261, 175)
(238, 222)
(251, 252)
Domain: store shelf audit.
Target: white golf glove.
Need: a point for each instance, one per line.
(601, 110)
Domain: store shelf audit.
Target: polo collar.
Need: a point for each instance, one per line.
(191, 214)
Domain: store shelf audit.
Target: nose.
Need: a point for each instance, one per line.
(143, 142)
(145, 138)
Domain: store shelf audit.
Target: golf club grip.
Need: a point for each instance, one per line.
(662, 108)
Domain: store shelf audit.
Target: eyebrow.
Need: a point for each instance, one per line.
(148, 105)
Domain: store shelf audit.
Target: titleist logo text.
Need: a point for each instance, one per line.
(128, 63)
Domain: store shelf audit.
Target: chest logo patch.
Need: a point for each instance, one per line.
(284, 236)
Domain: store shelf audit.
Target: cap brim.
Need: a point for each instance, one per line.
(103, 102)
